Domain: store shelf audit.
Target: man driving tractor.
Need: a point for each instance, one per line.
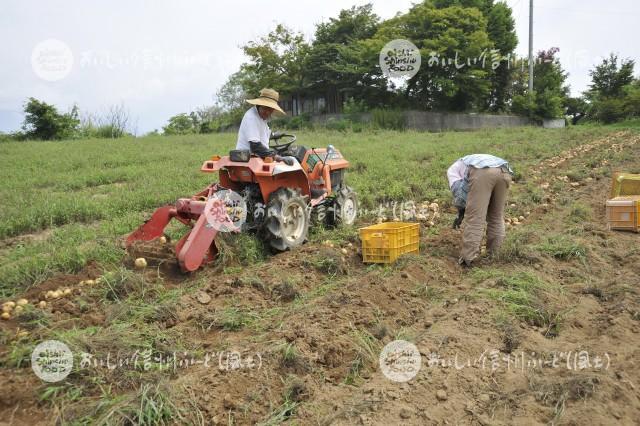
(254, 132)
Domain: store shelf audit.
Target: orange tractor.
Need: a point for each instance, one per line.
(275, 200)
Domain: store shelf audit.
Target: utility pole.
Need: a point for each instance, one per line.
(530, 46)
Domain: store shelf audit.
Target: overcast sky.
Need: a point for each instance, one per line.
(161, 57)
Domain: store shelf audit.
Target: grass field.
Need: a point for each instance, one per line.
(317, 314)
(66, 203)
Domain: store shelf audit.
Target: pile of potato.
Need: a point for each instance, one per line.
(15, 308)
(57, 294)
(11, 308)
(516, 220)
(425, 208)
(343, 250)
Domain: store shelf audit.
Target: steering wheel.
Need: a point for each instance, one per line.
(283, 146)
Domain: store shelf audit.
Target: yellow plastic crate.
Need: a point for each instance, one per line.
(623, 213)
(385, 242)
(623, 184)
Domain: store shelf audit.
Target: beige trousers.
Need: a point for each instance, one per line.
(487, 197)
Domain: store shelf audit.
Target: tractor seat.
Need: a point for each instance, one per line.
(317, 192)
(241, 155)
(298, 151)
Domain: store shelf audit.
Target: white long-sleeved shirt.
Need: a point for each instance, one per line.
(458, 170)
(253, 129)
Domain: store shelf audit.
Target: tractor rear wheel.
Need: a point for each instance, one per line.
(287, 222)
(345, 207)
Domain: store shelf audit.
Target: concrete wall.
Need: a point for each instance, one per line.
(364, 117)
(440, 121)
(553, 123)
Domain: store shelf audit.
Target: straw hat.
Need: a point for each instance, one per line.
(268, 98)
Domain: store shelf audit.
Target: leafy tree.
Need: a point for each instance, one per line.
(549, 89)
(442, 34)
(576, 108)
(233, 93)
(613, 93)
(355, 71)
(342, 61)
(632, 99)
(277, 60)
(42, 121)
(501, 29)
(613, 109)
(443, 30)
(181, 124)
(478, 4)
(324, 66)
(356, 23)
(608, 110)
(609, 79)
(445, 34)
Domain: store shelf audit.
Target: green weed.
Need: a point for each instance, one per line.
(516, 247)
(367, 353)
(427, 292)
(579, 213)
(289, 355)
(232, 319)
(524, 296)
(563, 248)
(151, 405)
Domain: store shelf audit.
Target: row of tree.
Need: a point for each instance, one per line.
(468, 64)
(343, 58)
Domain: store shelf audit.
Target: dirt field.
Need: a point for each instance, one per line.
(547, 332)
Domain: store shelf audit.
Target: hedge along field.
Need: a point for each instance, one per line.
(67, 203)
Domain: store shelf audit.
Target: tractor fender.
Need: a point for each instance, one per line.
(293, 178)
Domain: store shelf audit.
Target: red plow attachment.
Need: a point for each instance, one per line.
(197, 246)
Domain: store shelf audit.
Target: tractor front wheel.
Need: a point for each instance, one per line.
(345, 207)
(287, 222)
